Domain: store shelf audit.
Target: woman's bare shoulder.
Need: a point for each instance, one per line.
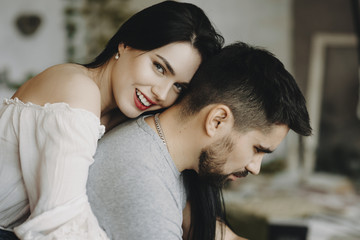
(67, 74)
(69, 83)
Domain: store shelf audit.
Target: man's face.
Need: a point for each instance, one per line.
(237, 154)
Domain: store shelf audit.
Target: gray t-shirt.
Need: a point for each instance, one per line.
(134, 187)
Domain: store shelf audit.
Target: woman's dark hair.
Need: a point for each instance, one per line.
(207, 207)
(161, 24)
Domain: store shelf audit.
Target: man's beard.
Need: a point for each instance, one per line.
(212, 160)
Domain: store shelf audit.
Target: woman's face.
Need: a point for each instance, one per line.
(146, 81)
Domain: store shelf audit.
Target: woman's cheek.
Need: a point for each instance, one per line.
(172, 98)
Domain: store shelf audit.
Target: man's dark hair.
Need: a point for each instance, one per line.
(254, 84)
(260, 92)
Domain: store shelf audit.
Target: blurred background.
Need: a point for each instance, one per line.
(309, 188)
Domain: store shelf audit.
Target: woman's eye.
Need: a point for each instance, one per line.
(159, 68)
(179, 87)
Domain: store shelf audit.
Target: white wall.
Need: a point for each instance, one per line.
(21, 55)
(266, 23)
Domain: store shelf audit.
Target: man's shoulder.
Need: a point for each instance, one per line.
(124, 129)
(132, 150)
(123, 138)
(130, 155)
(135, 203)
(132, 183)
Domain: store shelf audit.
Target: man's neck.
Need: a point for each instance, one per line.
(181, 138)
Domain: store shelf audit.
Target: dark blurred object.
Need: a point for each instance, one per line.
(245, 224)
(284, 231)
(7, 235)
(27, 24)
(356, 19)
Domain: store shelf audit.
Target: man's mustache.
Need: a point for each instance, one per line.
(241, 173)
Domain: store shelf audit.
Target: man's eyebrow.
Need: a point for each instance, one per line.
(167, 64)
(264, 149)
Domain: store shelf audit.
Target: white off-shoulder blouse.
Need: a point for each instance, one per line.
(45, 154)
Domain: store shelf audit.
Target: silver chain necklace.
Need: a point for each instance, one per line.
(159, 129)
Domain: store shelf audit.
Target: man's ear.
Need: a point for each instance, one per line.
(219, 120)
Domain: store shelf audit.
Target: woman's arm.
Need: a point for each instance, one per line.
(56, 148)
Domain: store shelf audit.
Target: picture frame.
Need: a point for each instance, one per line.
(320, 42)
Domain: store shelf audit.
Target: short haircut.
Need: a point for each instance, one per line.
(254, 84)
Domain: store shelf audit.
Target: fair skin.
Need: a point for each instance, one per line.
(186, 139)
(136, 82)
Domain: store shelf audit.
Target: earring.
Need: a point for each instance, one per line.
(117, 56)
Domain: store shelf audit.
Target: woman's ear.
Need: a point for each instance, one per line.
(219, 120)
(121, 48)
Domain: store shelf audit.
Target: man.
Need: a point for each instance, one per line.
(240, 105)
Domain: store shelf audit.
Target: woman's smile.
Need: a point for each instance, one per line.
(142, 102)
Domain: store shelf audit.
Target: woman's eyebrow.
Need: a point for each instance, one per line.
(167, 64)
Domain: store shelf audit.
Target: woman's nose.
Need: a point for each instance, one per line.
(161, 91)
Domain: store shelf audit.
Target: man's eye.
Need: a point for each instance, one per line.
(159, 68)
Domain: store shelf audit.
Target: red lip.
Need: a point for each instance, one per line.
(148, 99)
(138, 103)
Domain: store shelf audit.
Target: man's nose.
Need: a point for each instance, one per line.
(161, 91)
(255, 165)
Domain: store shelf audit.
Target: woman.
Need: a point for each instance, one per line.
(50, 127)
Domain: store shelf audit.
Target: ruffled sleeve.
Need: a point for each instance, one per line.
(56, 148)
